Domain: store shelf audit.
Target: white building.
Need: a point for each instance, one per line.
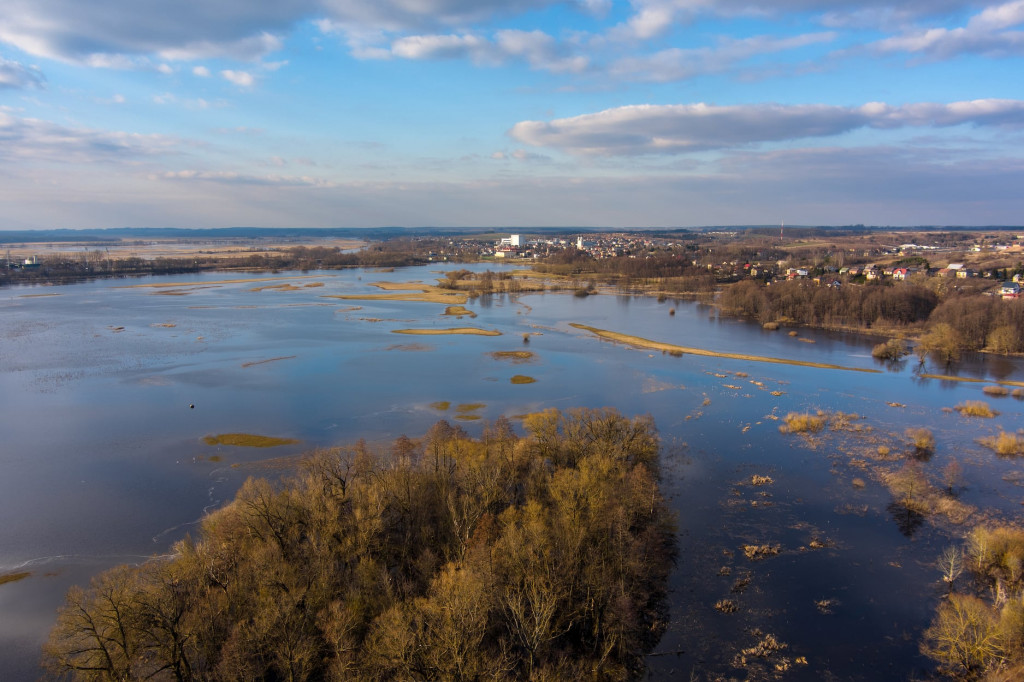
(512, 241)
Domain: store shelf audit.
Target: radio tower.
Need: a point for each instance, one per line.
(782, 226)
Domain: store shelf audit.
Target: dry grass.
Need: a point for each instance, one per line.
(433, 295)
(970, 380)
(1017, 393)
(1005, 444)
(999, 391)
(441, 405)
(922, 439)
(522, 379)
(458, 311)
(726, 606)
(14, 577)
(174, 285)
(802, 422)
(454, 330)
(469, 407)
(277, 287)
(761, 480)
(516, 356)
(911, 489)
(975, 408)
(758, 552)
(247, 440)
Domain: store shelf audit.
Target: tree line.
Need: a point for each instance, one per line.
(544, 557)
(957, 322)
(803, 302)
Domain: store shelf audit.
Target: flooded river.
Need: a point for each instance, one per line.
(108, 389)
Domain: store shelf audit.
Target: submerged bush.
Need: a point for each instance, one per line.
(922, 439)
(802, 422)
(893, 349)
(975, 408)
(1005, 444)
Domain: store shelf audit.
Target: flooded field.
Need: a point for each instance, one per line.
(129, 411)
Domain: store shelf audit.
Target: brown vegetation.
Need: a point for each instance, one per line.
(640, 342)
(544, 557)
(975, 408)
(247, 440)
(522, 379)
(454, 330)
(1005, 444)
(516, 356)
(14, 577)
(802, 422)
(893, 349)
(981, 633)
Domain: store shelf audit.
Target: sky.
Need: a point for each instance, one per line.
(510, 113)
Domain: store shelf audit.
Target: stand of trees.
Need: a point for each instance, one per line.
(978, 633)
(803, 302)
(540, 557)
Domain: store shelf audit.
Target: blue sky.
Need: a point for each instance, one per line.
(323, 113)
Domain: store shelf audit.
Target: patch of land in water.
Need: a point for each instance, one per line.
(640, 342)
(431, 295)
(454, 330)
(522, 379)
(516, 356)
(458, 311)
(972, 380)
(263, 362)
(411, 347)
(248, 440)
(14, 577)
(249, 280)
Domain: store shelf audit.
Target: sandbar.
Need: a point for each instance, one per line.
(248, 440)
(672, 348)
(972, 380)
(454, 330)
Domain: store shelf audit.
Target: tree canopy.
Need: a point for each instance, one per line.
(503, 557)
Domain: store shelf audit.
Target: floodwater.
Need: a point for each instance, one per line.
(107, 390)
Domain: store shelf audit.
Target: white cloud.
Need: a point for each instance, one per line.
(20, 77)
(684, 128)
(242, 79)
(201, 71)
(235, 178)
(440, 47)
(682, 63)
(986, 33)
(103, 32)
(538, 49)
(165, 69)
(23, 139)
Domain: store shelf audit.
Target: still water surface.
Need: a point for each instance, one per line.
(102, 459)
